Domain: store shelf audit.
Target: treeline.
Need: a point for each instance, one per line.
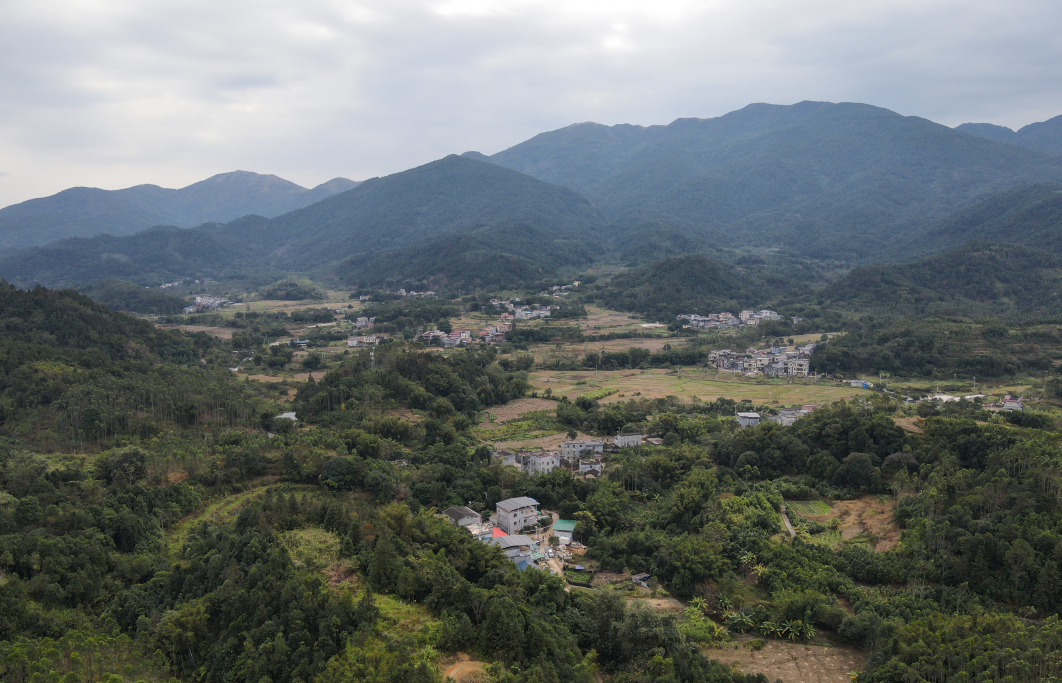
(76, 375)
(940, 347)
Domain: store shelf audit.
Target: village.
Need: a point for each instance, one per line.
(775, 361)
(728, 320)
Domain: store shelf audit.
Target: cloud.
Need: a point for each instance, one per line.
(113, 93)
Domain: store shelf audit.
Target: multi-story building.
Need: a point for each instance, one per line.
(576, 448)
(516, 513)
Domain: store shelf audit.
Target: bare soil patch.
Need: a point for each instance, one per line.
(869, 516)
(910, 424)
(519, 407)
(670, 605)
(339, 574)
(606, 578)
(792, 662)
(176, 477)
(465, 669)
(219, 332)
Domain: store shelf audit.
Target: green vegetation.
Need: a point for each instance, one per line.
(125, 296)
(291, 289)
(183, 541)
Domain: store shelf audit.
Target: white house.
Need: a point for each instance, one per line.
(576, 448)
(626, 440)
(748, 419)
(1013, 403)
(516, 513)
(541, 463)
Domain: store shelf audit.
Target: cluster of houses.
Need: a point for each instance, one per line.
(581, 456)
(403, 292)
(206, 303)
(364, 323)
(503, 529)
(171, 284)
(777, 361)
(518, 312)
(366, 340)
(490, 334)
(725, 320)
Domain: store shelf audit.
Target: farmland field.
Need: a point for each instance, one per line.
(688, 384)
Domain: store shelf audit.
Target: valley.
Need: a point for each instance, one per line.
(774, 395)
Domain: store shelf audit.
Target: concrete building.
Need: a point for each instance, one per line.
(629, 440)
(463, 516)
(541, 463)
(748, 419)
(516, 513)
(577, 448)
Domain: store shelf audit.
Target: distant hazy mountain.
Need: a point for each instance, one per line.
(541, 223)
(86, 212)
(453, 220)
(1045, 136)
(827, 180)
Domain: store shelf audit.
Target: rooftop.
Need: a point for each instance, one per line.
(511, 504)
(564, 525)
(460, 512)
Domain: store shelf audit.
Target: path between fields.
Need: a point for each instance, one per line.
(219, 510)
(788, 525)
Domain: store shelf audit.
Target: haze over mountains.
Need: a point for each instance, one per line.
(87, 211)
(1045, 136)
(844, 183)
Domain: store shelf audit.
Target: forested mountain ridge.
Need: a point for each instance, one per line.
(150, 258)
(1045, 136)
(981, 278)
(87, 212)
(409, 208)
(822, 179)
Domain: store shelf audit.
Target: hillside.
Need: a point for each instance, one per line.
(682, 284)
(119, 295)
(1029, 215)
(86, 212)
(504, 211)
(148, 258)
(1045, 136)
(979, 279)
(809, 177)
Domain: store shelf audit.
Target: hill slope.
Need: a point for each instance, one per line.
(454, 221)
(1029, 215)
(981, 278)
(147, 258)
(505, 211)
(826, 180)
(1045, 136)
(86, 212)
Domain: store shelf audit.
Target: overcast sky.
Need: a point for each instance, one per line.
(113, 93)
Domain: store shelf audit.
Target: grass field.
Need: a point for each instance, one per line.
(690, 383)
(808, 508)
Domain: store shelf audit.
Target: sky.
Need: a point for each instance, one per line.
(114, 93)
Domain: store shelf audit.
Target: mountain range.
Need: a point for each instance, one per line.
(87, 211)
(845, 183)
(1045, 136)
